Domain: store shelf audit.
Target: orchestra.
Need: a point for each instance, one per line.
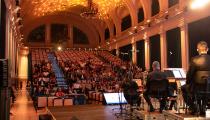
(179, 86)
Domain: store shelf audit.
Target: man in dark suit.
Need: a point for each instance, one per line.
(199, 67)
(156, 74)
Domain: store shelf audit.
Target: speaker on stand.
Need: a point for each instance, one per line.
(4, 90)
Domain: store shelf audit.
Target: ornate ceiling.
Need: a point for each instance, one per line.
(39, 8)
(35, 10)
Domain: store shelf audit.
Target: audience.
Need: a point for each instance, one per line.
(84, 71)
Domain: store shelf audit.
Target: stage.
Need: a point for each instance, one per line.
(103, 112)
(83, 112)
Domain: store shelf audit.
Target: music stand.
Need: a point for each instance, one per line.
(116, 98)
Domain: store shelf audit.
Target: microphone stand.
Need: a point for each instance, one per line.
(120, 114)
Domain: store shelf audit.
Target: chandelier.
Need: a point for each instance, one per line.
(91, 11)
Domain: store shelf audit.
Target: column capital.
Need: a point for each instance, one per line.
(145, 37)
(162, 30)
(184, 27)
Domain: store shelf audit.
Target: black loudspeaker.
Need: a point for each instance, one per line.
(3, 73)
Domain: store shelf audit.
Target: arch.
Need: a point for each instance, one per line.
(163, 5)
(146, 4)
(87, 27)
(37, 34)
(133, 11)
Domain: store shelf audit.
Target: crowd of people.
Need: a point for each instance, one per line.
(84, 71)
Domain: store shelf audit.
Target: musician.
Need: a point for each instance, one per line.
(197, 65)
(156, 74)
(130, 90)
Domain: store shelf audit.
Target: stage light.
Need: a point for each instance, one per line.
(59, 48)
(196, 4)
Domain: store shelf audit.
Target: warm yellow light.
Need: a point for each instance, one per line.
(196, 4)
(48, 7)
(59, 48)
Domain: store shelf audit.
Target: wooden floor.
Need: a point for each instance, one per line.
(84, 112)
(23, 107)
(23, 110)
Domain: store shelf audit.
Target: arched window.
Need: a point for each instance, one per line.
(37, 34)
(107, 34)
(126, 23)
(155, 7)
(79, 37)
(59, 32)
(140, 15)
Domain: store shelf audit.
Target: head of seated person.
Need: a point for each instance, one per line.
(203, 72)
(156, 74)
(59, 93)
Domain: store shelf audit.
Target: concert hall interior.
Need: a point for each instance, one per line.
(104, 59)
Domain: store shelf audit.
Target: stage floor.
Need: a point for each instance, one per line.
(102, 112)
(83, 112)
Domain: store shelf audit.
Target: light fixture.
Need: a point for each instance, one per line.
(196, 4)
(59, 48)
(91, 11)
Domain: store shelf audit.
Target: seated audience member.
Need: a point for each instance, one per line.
(39, 91)
(199, 67)
(59, 93)
(156, 74)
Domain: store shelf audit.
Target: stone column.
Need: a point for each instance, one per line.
(163, 49)
(117, 50)
(184, 46)
(134, 51)
(70, 42)
(147, 52)
(48, 35)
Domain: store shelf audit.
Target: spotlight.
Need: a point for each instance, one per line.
(59, 48)
(196, 4)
